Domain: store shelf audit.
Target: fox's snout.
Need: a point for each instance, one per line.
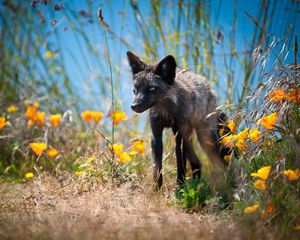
(137, 108)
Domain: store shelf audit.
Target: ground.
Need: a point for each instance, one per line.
(48, 209)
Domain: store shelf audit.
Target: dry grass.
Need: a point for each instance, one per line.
(49, 209)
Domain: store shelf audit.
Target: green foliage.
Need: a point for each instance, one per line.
(193, 193)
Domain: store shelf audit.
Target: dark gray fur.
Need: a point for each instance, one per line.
(179, 99)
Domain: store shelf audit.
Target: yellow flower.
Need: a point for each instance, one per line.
(228, 141)
(49, 54)
(52, 152)
(269, 121)
(78, 173)
(118, 116)
(139, 146)
(243, 134)
(11, 108)
(3, 122)
(294, 95)
(87, 116)
(228, 158)
(123, 157)
(40, 118)
(133, 153)
(241, 144)
(262, 173)
(97, 116)
(38, 148)
(34, 116)
(277, 95)
(251, 209)
(30, 112)
(260, 185)
(221, 132)
(91, 159)
(117, 148)
(297, 228)
(232, 126)
(292, 175)
(36, 105)
(254, 135)
(29, 175)
(55, 119)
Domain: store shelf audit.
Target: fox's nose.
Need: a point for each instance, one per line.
(134, 107)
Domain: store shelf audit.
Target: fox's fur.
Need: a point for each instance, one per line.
(179, 99)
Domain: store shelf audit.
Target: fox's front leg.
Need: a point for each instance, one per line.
(157, 151)
(180, 157)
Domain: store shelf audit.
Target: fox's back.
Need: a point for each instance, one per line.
(192, 97)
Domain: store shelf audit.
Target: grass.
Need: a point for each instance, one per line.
(87, 159)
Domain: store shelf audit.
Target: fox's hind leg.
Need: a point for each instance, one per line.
(188, 151)
(180, 157)
(208, 141)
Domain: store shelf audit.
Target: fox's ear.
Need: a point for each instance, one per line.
(166, 69)
(135, 63)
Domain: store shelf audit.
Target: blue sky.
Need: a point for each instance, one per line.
(86, 71)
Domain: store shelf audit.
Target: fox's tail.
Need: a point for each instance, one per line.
(222, 129)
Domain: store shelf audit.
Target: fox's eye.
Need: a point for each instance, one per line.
(151, 89)
(134, 90)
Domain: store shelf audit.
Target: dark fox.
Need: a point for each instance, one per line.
(181, 100)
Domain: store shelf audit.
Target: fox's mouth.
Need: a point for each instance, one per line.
(139, 108)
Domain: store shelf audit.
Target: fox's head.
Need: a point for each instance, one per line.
(150, 82)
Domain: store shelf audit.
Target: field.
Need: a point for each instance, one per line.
(75, 160)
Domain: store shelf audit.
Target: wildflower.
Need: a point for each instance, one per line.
(38, 148)
(52, 152)
(270, 208)
(3, 122)
(251, 209)
(78, 173)
(262, 173)
(123, 157)
(97, 116)
(297, 228)
(36, 105)
(292, 175)
(221, 132)
(55, 120)
(241, 144)
(29, 175)
(87, 116)
(232, 126)
(269, 121)
(228, 141)
(260, 185)
(118, 116)
(117, 148)
(242, 135)
(133, 153)
(294, 95)
(40, 118)
(228, 158)
(49, 54)
(30, 112)
(11, 108)
(254, 135)
(139, 146)
(91, 159)
(277, 95)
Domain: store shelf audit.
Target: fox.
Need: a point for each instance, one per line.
(182, 100)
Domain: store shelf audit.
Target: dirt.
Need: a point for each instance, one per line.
(48, 209)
